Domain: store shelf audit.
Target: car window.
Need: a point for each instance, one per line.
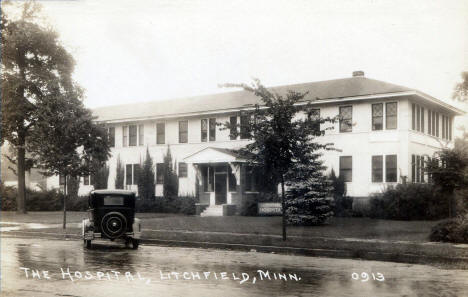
(113, 200)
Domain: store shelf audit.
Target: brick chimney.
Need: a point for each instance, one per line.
(358, 73)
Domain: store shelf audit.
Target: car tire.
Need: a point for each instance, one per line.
(135, 243)
(87, 243)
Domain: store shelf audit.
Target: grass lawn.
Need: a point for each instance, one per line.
(363, 228)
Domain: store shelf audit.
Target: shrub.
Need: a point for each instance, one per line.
(146, 182)
(8, 197)
(451, 230)
(343, 204)
(408, 202)
(249, 206)
(48, 200)
(79, 203)
(179, 204)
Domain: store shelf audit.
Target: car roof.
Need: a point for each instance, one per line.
(113, 192)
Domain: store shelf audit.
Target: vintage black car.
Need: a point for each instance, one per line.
(111, 216)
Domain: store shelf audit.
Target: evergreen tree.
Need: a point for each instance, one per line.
(100, 177)
(119, 174)
(308, 200)
(283, 133)
(171, 180)
(146, 181)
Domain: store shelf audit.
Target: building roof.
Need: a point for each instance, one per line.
(330, 89)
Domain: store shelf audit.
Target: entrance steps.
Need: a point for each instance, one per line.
(213, 211)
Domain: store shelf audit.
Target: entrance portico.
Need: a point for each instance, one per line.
(222, 178)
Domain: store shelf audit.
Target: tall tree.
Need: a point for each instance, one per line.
(34, 68)
(170, 179)
(448, 170)
(100, 176)
(461, 89)
(146, 179)
(119, 174)
(66, 140)
(282, 133)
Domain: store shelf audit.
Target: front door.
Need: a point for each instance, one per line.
(220, 188)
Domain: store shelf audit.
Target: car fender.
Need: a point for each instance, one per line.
(136, 227)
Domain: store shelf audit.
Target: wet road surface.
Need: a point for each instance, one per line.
(109, 269)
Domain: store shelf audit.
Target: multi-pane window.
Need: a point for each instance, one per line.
(86, 180)
(346, 168)
(233, 128)
(183, 131)
(346, 118)
(182, 169)
(391, 168)
(245, 126)
(141, 134)
(315, 115)
(132, 172)
(160, 133)
(377, 116)
(111, 136)
(391, 115)
(417, 169)
(377, 169)
(124, 135)
(213, 129)
(159, 173)
(132, 135)
(204, 130)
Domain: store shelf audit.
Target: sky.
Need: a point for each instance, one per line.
(134, 51)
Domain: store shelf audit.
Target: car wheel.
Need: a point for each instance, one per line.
(135, 243)
(87, 244)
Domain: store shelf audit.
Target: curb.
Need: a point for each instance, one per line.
(443, 254)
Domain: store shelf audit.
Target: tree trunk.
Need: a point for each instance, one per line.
(65, 205)
(21, 169)
(283, 207)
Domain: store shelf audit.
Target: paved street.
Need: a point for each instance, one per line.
(111, 270)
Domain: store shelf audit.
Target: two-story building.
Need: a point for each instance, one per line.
(385, 133)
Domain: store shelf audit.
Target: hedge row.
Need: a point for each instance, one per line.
(52, 200)
(408, 202)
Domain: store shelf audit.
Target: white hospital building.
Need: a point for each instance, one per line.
(385, 133)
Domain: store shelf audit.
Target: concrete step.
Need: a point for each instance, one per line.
(213, 211)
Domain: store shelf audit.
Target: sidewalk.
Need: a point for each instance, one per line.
(396, 241)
